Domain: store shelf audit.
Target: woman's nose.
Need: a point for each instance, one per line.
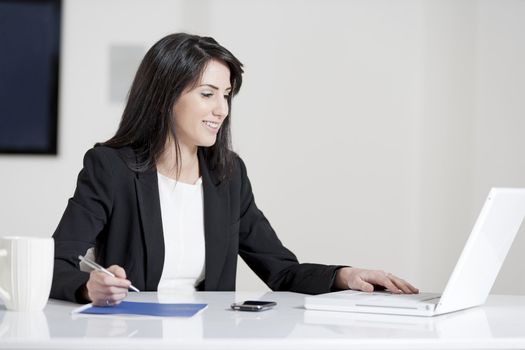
(221, 108)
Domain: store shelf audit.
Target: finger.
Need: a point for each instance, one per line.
(98, 298)
(107, 280)
(106, 302)
(115, 298)
(117, 290)
(97, 290)
(412, 288)
(360, 279)
(404, 285)
(117, 271)
(103, 299)
(120, 273)
(386, 282)
(401, 284)
(380, 278)
(362, 285)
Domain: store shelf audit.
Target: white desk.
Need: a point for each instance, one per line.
(500, 324)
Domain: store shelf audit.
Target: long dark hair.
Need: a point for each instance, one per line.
(173, 64)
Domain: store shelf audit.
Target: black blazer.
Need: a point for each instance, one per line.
(117, 211)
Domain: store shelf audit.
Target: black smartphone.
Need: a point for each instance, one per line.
(253, 305)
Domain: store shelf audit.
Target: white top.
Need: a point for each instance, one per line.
(182, 213)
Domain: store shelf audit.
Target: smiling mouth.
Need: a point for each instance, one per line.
(212, 125)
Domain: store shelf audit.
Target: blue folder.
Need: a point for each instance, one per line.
(148, 309)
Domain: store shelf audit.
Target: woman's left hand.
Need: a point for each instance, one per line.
(364, 280)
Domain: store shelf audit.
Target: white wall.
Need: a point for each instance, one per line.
(372, 130)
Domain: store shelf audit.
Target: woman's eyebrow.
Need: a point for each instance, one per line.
(214, 87)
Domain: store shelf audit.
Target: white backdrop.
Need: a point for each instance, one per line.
(372, 130)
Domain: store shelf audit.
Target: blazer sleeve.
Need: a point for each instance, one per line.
(264, 253)
(84, 218)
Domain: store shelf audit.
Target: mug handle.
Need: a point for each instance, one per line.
(3, 293)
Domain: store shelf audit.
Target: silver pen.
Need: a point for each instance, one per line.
(97, 267)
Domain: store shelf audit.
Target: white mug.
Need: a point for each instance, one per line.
(26, 272)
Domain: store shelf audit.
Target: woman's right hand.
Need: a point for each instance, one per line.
(105, 290)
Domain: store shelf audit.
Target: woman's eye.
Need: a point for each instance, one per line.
(206, 94)
(226, 96)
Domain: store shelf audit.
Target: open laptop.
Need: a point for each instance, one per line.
(472, 278)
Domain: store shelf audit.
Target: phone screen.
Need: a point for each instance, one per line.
(258, 302)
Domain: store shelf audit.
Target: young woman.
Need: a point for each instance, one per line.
(166, 203)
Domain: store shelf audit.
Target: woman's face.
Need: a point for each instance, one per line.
(200, 111)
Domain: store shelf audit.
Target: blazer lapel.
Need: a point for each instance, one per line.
(146, 185)
(216, 216)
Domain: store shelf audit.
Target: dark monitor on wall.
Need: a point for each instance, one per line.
(29, 61)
